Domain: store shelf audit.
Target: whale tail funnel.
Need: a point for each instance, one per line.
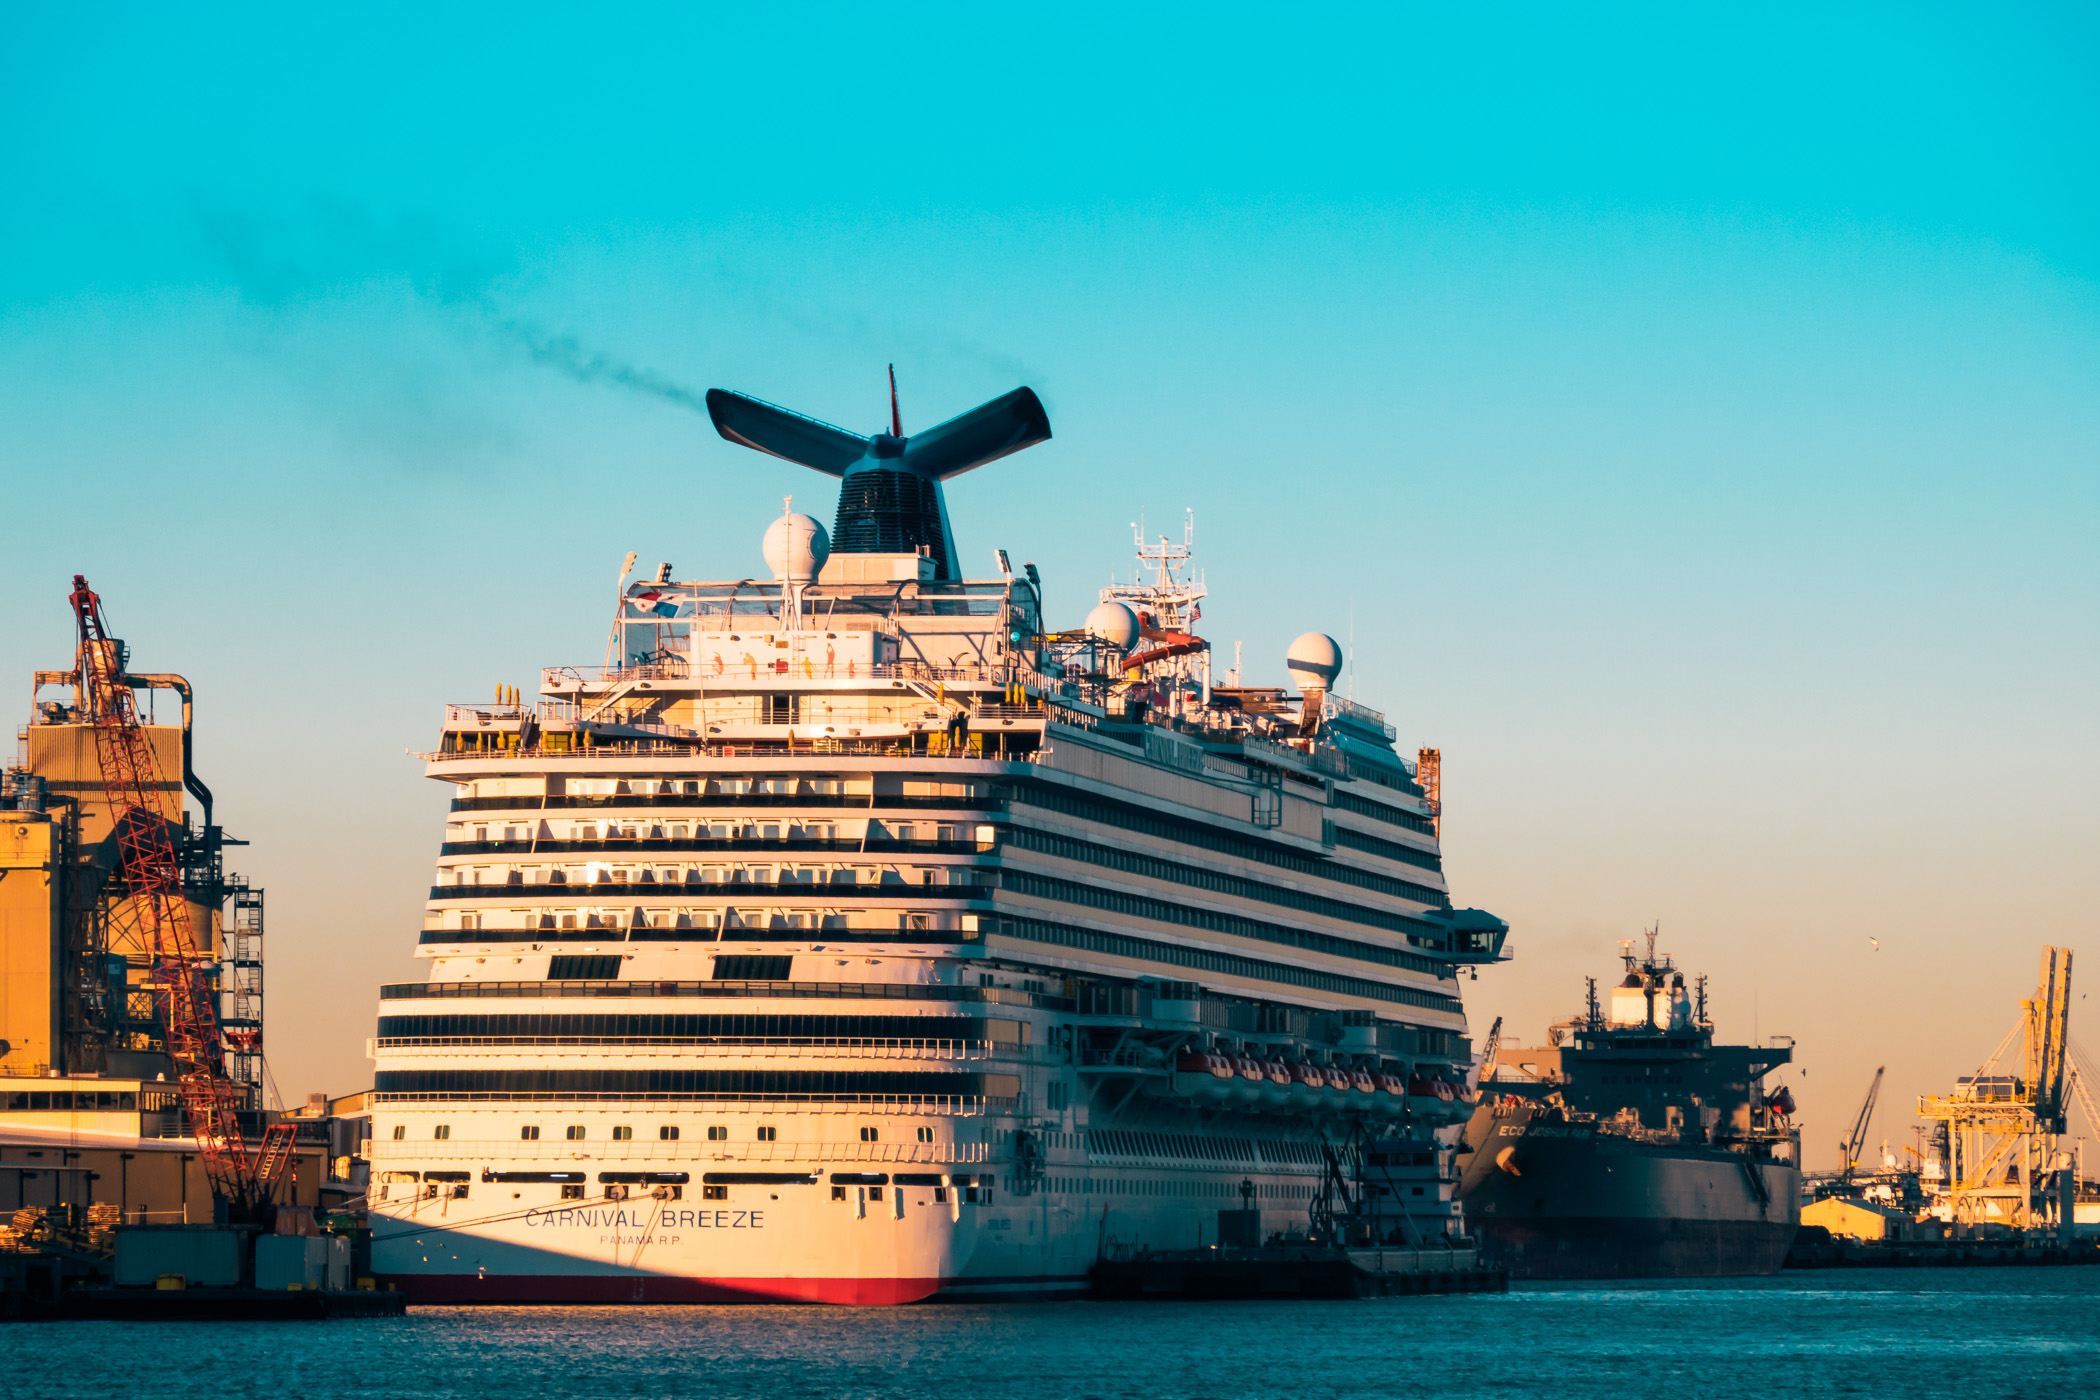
(890, 499)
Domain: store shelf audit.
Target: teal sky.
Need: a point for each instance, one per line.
(1692, 418)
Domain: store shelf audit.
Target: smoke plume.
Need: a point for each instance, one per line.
(562, 354)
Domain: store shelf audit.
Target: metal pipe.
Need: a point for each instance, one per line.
(165, 680)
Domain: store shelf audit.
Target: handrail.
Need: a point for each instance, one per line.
(833, 991)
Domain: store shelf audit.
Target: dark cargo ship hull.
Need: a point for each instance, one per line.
(1567, 1204)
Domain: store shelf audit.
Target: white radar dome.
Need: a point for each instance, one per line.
(1115, 624)
(1314, 661)
(796, 548)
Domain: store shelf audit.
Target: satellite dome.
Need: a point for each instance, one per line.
(1115, 624)
(796, 548)
(1314, 661)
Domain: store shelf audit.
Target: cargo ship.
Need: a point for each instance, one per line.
(856, 934)
(1633, 1146)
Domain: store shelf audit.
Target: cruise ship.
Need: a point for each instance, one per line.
(857, 934)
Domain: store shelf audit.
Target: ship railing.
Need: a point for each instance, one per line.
(730, 1046)
(627, 750)
(510, 1150)
(808, 667)
(957, 1105)
(1129, 1057)
(833, 991)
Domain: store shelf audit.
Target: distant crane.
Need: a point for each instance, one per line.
(1487, 1050)
(1429, 773)
(2002, 1127)
(1857, 1143)
(151, 879)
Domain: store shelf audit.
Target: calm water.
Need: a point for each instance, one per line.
(1980, 1333)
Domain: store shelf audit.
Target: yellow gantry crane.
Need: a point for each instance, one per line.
(2002, 1128)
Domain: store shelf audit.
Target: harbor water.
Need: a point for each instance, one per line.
(1965, 1333)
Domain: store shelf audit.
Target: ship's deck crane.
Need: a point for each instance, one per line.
(151, 880)
(1854, 1145)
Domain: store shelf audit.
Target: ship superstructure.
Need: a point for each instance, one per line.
(856, 936)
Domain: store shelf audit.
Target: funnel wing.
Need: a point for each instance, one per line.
(769, 429)
(984, 434)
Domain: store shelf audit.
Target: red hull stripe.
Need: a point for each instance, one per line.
(656, 1288)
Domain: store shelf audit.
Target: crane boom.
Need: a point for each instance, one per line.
(154, 898)
(1855, 1144)
(2048, 1037)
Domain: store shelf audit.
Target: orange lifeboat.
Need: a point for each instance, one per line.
(1429, 1086)
(1215, 1066)
(1363, 1081)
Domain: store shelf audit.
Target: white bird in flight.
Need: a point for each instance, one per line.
(1875, 941)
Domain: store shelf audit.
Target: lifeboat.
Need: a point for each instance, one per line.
(1391, 1084)
(1429, 1086)
(1216, 1066)
(1251, 1079)
(1279, 1088)
(1306, 1081)
(1337, 1078)
(1363, 1081)
(1201, 1076)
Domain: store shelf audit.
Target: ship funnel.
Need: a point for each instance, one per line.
(890, 498)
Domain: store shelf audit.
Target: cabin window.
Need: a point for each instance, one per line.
(667, 1133)
(768, 1133)
(572, 1193)
(529, 1133)
(623, 1133)
(925, 1135)
(717, 1133)
(400, 1131)
(442, 1131)
(576, 1132)
(714, 1193)
(870, 1134)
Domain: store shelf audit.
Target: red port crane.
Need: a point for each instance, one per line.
(154, 898)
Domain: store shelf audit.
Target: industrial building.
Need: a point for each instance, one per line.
(95, 1126)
